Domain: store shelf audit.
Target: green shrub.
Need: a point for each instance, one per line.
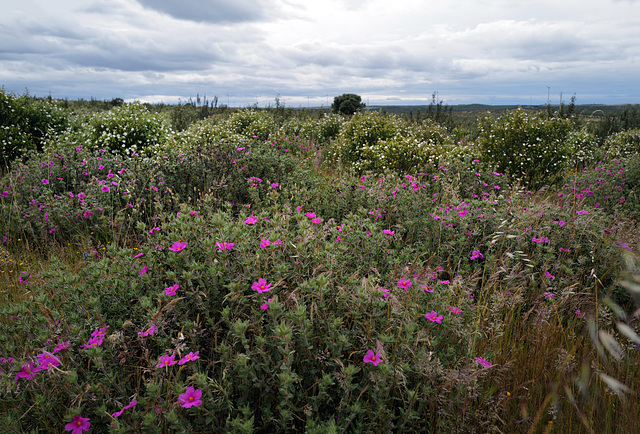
(25, 123)
(625, 144)
(320, 130)
(252, 124)
(126, 130)
(583, 148)
(531, 148)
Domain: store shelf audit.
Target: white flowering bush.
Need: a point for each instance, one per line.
(252, 124)
(127, 130)
(375, 143)
(583, 147)
(624, 144)
(320, 130)
(532, 148)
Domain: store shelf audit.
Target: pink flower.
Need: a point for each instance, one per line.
(261, 286)
(622, 200)
(372, 357)
(95, 341)
(150, 331)
(178, 246)
(463, 213)
(316, 220)
(166, 361)
(132, 404)
(28, 371)
(404, 284)
(444, 282)
(61, 346)
(434, 317)
(476, 254)
(584, 211)
(455, 310)
(265, 306)
(143, 271)
(105, 189)
(189, 357)
(45, 181)
(46, 359)
(385, 291)
(579, 314)
(224, 246)
(426, 288)
(388, 232)
(78, 424)
(548, 295)
(483, 362)
(274, 185)
(264, 243)
(299, 208)
(549, 275)
(171, 290)
(251, 220)
(311, 215)
(101, 332)
(190, 398)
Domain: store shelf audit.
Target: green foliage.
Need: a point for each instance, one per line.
(376, 143)
(252, 124)
(25, 123)
(125, 130)
(530, 148)
(347, 104)
(625, 144)
(582, 148)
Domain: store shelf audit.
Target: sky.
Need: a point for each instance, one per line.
(304, 53)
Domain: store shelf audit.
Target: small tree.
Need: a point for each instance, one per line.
(347, 104)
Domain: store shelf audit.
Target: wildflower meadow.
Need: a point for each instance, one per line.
(294, 271)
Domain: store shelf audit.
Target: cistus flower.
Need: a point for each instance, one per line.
(483, 362)
(261, 286)
(252, 220)
(171, 290)
(404, 284)
(434, 317)
(190, 398)
(189, 357)
(178, 246)
(165, 361)
(224, 246)
(78, 424)
(455, 310)
(46, 359)
(372, 357)
(28, 371)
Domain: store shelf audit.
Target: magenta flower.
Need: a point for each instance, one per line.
(311, 215)
(95, 341)
(78, 424)
(165, 361)
(579, 314)
(385, 292)
(101, 332)
(143, 271)
(261, 286)
(45, 181)
(224, 246)
(404, 284)
(455, 310)
(548, 295)
(190, 398)
(316, 220)
(434, 317)
(549, 275)
(264, 243)
(132, 404)
(150, 331)
(178, 246)
(483, 362)
(265, 306)
(372, 357)
(46, 359)
(388, 232)
(463, 213)
(274, 185)
(28, 371)
(105, 189)
(251, 220)
(583, 211)
(476, 254)
(189, 357)
(426, 288)
(61, 346)
(171, 290)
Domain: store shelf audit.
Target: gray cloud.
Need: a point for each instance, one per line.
(218, 11)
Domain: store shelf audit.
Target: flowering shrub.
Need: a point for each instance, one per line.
(529, 147)
(625, 144)
(25, 123)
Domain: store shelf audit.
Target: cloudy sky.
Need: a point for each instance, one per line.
(307, 52)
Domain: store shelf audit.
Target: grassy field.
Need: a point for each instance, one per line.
(183, 270)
